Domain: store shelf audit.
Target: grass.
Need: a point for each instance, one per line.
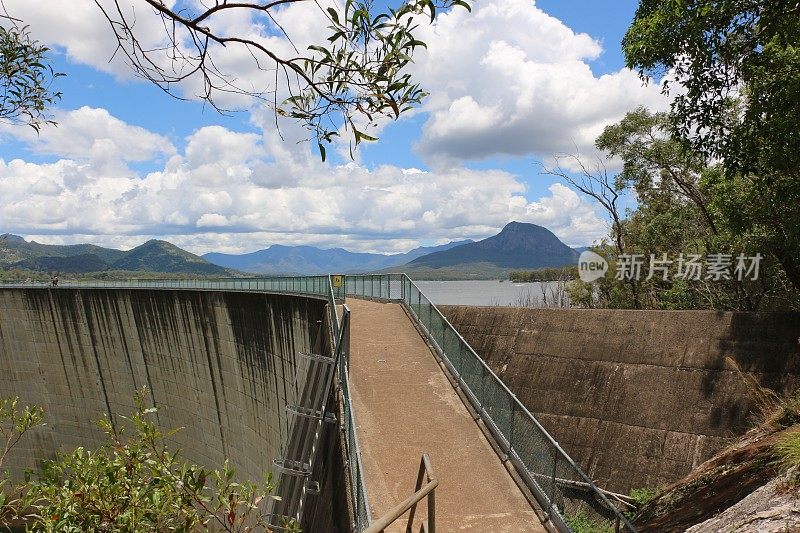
(787, 448)
(643, 496)
(771, 410)
(580, 522)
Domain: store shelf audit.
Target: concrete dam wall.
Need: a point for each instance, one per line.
(222, 365)
(637, 398)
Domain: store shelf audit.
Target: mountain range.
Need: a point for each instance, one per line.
(309, 260)
(519, 246)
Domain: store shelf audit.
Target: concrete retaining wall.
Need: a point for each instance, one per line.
(219, 364)
(638, 398)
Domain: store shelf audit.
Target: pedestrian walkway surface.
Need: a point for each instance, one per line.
(404, 406)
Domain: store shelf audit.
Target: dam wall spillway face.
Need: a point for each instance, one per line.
(637, 398)
(221, 365)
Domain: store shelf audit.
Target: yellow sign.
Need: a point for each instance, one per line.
(338, 281)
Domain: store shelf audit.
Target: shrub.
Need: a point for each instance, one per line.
(134, 482)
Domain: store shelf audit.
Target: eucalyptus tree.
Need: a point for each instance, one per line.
(733, 69)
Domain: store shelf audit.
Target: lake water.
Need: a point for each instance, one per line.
(495, 292)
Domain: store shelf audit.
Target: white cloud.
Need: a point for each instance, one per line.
(213, 220)
(567, 215)
(221, 192)
(92, 133)
(504, 79)
(215, 145)
(82, 31)
(508, 79)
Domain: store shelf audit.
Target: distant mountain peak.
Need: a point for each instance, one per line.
(521, 227)
(519, 245)
(157, 242)
(10, 237)
(520, 234)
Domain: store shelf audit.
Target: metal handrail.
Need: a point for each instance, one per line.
(410, 504)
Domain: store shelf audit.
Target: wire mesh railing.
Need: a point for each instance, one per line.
(377, 286)
(563, 490)
(320, 285)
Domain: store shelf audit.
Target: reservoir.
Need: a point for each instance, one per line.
(490, 292)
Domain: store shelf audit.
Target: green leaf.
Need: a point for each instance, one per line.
(334, 15)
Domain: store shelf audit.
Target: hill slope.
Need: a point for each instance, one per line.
(162, 256)
(74, 264)
(152, 256)
(306, 260)
(14, 248)
(517, 246)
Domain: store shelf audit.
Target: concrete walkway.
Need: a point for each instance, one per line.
(405, 406)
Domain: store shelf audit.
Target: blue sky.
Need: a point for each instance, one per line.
(511, 84)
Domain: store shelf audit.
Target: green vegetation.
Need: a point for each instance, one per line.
(544, 274)
(476, 271)
(25, 78)
(782, 414)
(643, 496)
(18, 275)
(15, 422)
(21, 260)
(580, 522)
(787, 448)
(134, 482)
(720, 172)
(736, 122)
(681, 209)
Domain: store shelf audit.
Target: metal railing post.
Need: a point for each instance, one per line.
(432, 512)
(552, 484)
(483, 389)
(511, 431)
